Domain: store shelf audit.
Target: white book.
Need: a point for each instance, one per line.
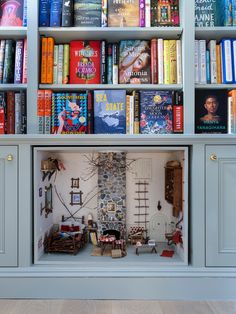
(202, 61)
(230, 114)
(60, 63)
(196, 61)
(179, 61)
(213, 67)
(18, 113)
(160, 54)
(131, 114)
(147, 13)
(55, 64)
(234, 58)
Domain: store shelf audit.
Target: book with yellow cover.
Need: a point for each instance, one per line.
(173, 62)
(166, 62)
(123, 13)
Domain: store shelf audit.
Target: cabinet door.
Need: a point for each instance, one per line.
(8, 206)
(221, 206)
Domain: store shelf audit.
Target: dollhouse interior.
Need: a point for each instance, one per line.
(125, 205)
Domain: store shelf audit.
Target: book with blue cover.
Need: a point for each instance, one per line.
(44, 13)
(209, 13)
(55, 13)
(156, 112)
(109, 111)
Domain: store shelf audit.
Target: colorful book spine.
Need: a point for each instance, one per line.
(25, 13)
(136, 112)
(44, 13)
(234, 12)
(115, 63)
(232, 112)
(67, 13)
(208, 67)
(19, 61)
(10, 113)
(104, 13)
(66, 64)
(47, 111)
(103, 73)
(18, 113)
(23, 113)
(55, 64)
(196, 61)
(179, 61)
(90, 112)
(154, 61)
(8, 70)
(2, 113)
(213, 67)
(218, 63)
(44, 60)
(166, 62)
(25, 58)
(227, 12)
(148, 13)
(234, 58)
(226, 61)
(178, 113)
(202, 61)
(154, 13)
(128, 114)
(55, 13)
(50, 61)
(160, 54)
(41, 111)
(109, 64)
(173, 61)
(60, 64)
(142, 13)
(2, 54)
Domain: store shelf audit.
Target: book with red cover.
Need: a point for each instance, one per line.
(85, 62)
(11, 12)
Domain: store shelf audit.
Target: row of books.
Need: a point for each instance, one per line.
(13, 61)
(13, 13)
(97, 62)
(215, 63)
(212, 13)
(110, 112)
(111, 13)
(13, 112)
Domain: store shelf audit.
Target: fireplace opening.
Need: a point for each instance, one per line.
(115, 233)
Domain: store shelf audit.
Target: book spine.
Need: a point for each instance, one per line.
(2, 113)
(109, 64)
(132, 113)
(66, 64)
(218, 64)
(23, 113)
(50, 61)
(208, 67)
(173, 62)
(25, 58)
(115, 63)
(19, 61)
(202, 61)
(230, 115)
(41, 111)
(47, 111)
(142, 13)
(9, 60)
(154, 61)
(60, 63)
(174, 12)
(196, 62)
(67, 13)
(10, 113)
(213, 67)
(234, 58)
(18, 113)
(55, 64)
(90, 113)
(147, 13)
(25, 13)
(154, 13)
(103, 79)
(53, 114)
(233, 112)
(136, 112)
(160, 54)
(234, 12)
(44, 13)
(226, 61)
(2, 55)
(166, 62)
(55, 13)
(227, 12)
(178, 113)
(104, 13)
(127, 114)
(44, 60)
(179, 61)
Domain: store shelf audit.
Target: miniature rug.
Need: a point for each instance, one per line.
(167, 253)
(97, 251)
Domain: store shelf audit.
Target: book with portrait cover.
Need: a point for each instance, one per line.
(85, 62)
(87, 13)
(211, 111)
(134, 62)
(209, 13)
(69, 113)
(11, 12)
(109, 112)
(156, 112)
(123, 13)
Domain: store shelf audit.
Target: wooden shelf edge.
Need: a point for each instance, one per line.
(109, 86)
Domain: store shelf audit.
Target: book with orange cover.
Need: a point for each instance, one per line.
(44, 57)
(47, 111)
(50, 60)
(41, 111)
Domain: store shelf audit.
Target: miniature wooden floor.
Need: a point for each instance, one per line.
(84, 256)
(114, 307)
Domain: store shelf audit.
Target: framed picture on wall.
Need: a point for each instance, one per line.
(76, 198)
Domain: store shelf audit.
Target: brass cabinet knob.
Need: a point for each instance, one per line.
(9, 157)
(213, 157)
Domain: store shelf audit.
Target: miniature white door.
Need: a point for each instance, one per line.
(8, 206)
(221, 206)
(158, 227)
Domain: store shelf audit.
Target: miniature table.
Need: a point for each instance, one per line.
(105, 240)
(146, 246)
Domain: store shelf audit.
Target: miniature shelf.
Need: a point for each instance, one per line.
(65, 34)
(13, 32)
(68, 87)
(215, 32)
(13, 87)
(215, 86)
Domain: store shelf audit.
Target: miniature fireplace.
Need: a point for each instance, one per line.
(112, 193)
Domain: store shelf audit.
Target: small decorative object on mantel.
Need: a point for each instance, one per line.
(75, 183)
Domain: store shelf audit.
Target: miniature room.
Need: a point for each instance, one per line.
(111, 205)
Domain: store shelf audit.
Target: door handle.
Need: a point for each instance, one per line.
(213, 157)
(9, 157)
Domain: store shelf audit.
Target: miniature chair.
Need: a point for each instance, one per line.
(136, 234)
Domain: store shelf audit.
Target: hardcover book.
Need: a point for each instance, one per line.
(44, 13)
(123, 13)
(87, 13)
(19, 61)
(134, 62)
(11, 12)
(211, 111)
(84, 62)
(109, 111)
(9, 61)
(70, 113)
(209, 14)
(67, 13)
(55, 13)
(156, 112)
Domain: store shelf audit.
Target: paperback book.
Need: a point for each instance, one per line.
(11, 12)
(209, 13)
(123, 13)
(211, 111)
(109, 111)
(87, 13)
